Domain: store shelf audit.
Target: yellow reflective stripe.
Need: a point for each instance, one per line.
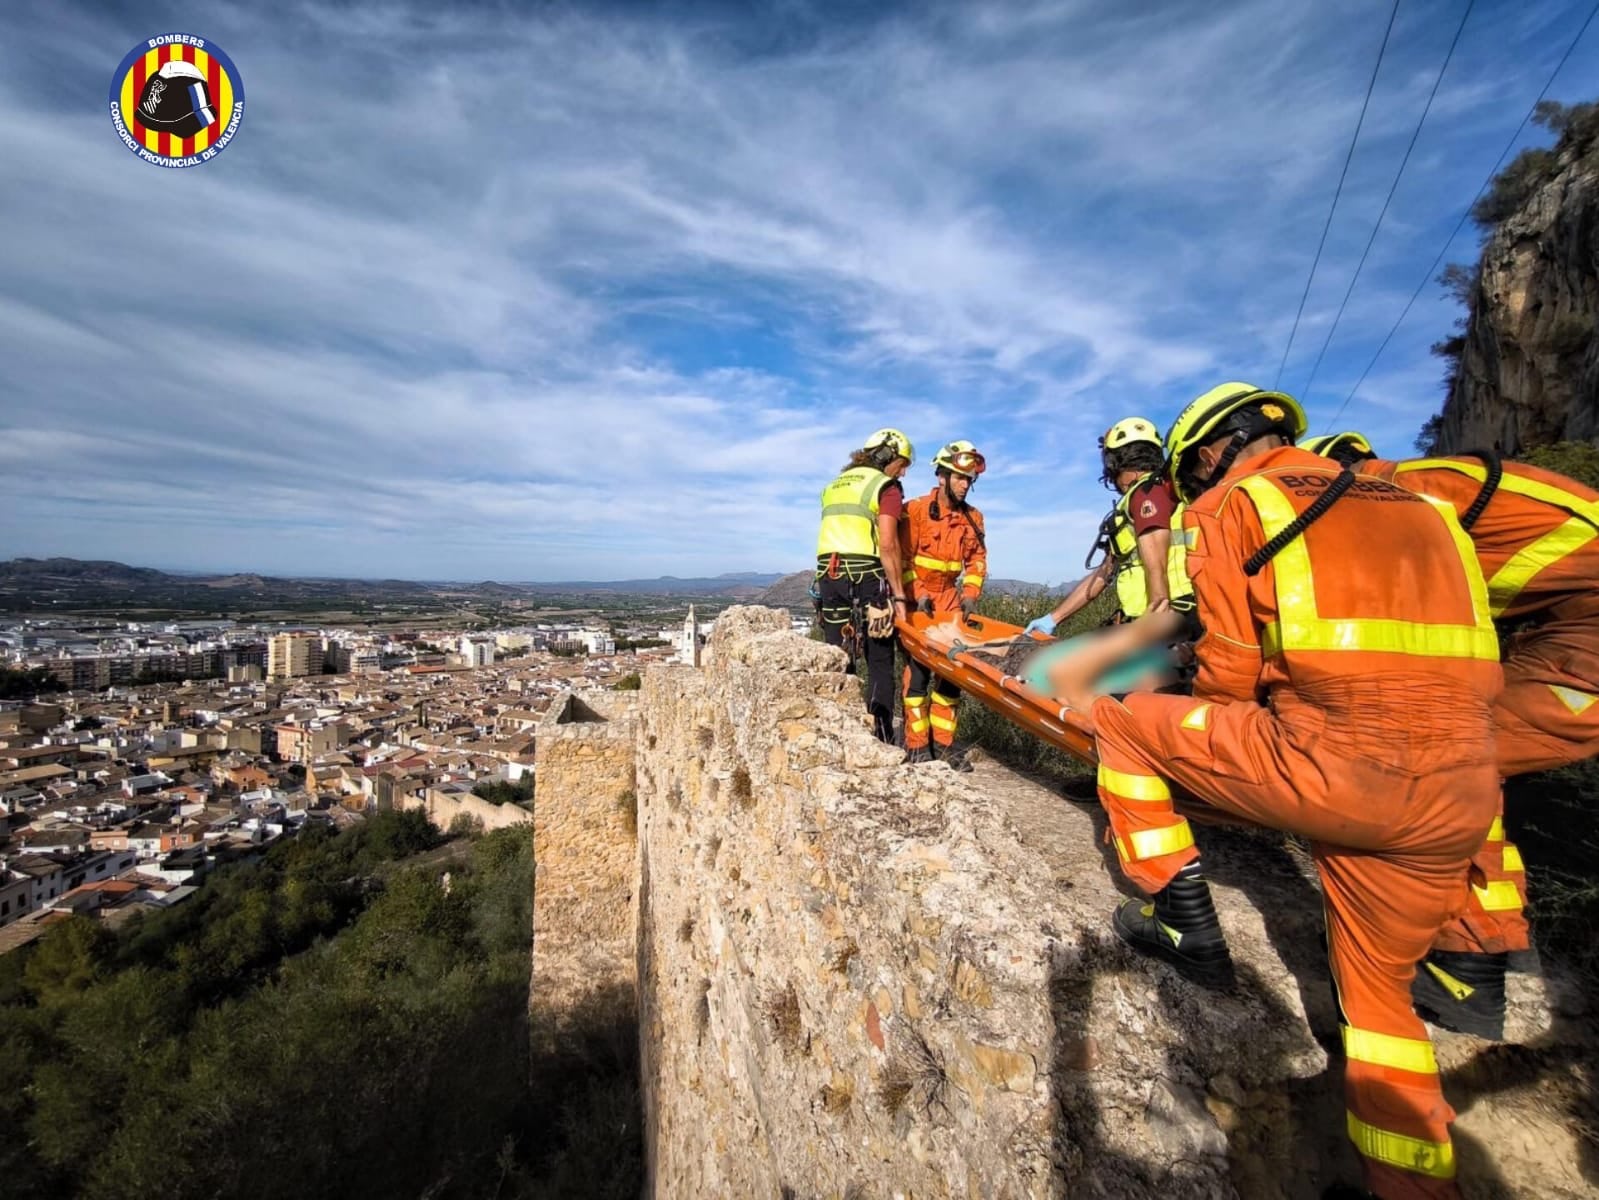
(908, 575)
(1512, 860)
(1386, 1050)
(917, 726)
(1133, 787)
(1152, 843)
(1302, 627)
(936, 564)
(1499, 896)
(1197, 718)
(946, 701)
(1524, 564)
(1381, 636)
(1434, 1159)
(974, 580)
(943, 723)
(1496, 831)
(1535, 489)
(915, 701)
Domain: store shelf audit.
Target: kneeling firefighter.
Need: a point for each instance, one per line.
(1320, 684)
(859, 588)
(1136, 535)
(943, 536)
(1536, 535)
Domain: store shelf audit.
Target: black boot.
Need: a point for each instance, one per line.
(1463, 992)
(1179, 926)
(954, 758)
(919, 754)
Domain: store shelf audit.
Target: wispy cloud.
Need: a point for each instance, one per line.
(486, 293)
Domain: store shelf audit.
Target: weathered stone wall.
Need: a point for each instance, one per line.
(584, 848)
(862, 979)
(857, 979)
(443, 808)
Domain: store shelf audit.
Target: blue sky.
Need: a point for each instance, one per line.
(569, 291)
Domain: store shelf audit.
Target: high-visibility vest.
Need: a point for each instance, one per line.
(849, 513)
(1178, 585)
(1132, 583)
(1395, 623)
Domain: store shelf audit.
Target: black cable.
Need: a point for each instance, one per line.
(1464, 217)
(1338, 191)
(1394, 187)
(1490, 485)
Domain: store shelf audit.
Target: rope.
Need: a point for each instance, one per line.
(1394, 187)
(1464, 217)
(1338, 191)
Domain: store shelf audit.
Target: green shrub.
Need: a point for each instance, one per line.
(1575, 460)
(1513, 186)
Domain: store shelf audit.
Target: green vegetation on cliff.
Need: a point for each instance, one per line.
(347, 1017)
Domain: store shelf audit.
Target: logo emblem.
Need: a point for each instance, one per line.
(176, 100)
(1147, 509)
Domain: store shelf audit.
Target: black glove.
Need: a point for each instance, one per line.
(924, 605)
(968, 607)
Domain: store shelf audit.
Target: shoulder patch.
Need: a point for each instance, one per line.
(1147, 509)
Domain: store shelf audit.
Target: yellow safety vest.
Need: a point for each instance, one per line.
(849, 513)
(1132, 584)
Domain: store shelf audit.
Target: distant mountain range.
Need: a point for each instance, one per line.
(67, 580)
(794, 591)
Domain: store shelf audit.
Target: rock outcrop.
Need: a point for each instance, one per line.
(858, 978)
(1529, 367)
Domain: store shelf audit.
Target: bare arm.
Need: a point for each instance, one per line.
(888, 550)
(1153, 548)
(1084, 592)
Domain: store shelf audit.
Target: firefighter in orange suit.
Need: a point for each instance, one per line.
(946, 562)
(1536, 535)
(1346, 675)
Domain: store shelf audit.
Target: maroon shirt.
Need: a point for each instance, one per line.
(1152, 507)
(891, 500)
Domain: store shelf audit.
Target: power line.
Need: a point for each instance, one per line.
(1403, 162)
(1460, 224)
(1338, 191)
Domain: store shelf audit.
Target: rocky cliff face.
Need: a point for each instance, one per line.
(1529, 368)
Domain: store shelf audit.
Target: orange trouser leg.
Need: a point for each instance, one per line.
(917, 722)
(1546, 717)
(1548, 714)
(1381, 916)
(1392, 842)
(1495, 920)
(944, 696)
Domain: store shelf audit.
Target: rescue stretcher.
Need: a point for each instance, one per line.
(983, 680)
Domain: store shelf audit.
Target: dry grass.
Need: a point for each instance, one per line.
(742, 792)
(783, 1015)
(627, 804)
(915, 1076)
(843, 956)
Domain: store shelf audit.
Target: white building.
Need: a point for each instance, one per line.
(477, 651)
(598, 641)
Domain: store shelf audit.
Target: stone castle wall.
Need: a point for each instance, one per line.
(584, 848)
(862, 979)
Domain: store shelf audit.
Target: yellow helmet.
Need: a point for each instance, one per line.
(1240, 409)
(1346, 448)
(1132, 444)
(892, 439)
(961, 458)
(1129, 430)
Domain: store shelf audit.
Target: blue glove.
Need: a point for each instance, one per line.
(1044, 624)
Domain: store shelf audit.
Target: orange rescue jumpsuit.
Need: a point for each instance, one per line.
(1343, 694)
(946, 561)
(1537, 540)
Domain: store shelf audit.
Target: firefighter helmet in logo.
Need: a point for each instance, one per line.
(176, 100)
